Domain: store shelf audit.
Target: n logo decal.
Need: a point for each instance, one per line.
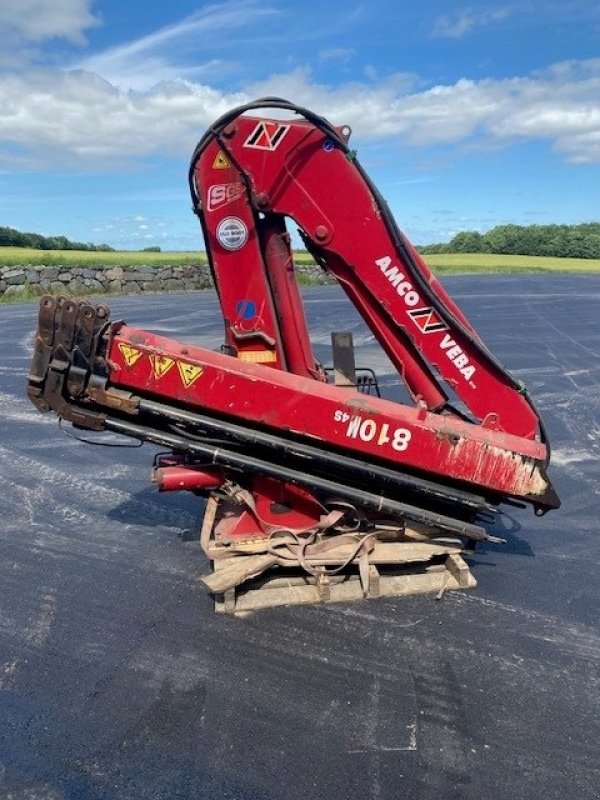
(427, 320)
(266, 135)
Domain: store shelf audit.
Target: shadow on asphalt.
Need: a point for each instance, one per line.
(140, 509)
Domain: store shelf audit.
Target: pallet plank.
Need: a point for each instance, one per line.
(288, 593)
(250, 575)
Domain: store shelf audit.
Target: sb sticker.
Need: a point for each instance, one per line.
(221, 194)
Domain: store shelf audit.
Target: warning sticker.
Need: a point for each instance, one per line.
(258, 356)
(161, 365)
(221, 161)
(266, 135)
(189, 373)
(130, 354)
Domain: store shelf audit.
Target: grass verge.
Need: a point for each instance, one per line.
(455, 263)
(444, 263)
(25, 256)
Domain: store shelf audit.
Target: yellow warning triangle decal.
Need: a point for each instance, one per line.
(161, 365)
(221, 161)
(189, 373)
(130, 354)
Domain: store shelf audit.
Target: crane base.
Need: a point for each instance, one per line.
(292, 590)
(249, 576)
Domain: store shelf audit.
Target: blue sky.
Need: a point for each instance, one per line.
(466, 115)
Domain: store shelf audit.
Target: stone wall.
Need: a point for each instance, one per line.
(95, 280)
(16, 281)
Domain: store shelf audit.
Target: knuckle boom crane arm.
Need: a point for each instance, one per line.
(259, 422)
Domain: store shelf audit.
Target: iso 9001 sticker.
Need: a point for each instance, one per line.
(370, 430)
(232, 233)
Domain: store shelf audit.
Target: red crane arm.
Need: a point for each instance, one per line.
(288, 458)
(247, 175)
(202, 381)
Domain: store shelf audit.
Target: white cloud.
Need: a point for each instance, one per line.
(336, 54)
(36, 20)
(560, 104)
(412, 181)
(144, 62)
(71, 117)
(461, 23)
(80, 117)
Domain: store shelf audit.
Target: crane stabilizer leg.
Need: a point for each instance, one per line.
(316, 491)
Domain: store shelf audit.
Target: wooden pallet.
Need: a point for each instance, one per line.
(248, 578)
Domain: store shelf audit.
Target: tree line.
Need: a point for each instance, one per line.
(9, 237)
(559, 241)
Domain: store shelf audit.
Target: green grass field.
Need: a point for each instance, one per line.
(442, 263)
(19, 256)
(446, 263)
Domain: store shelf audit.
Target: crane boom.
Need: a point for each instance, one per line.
(289, 459)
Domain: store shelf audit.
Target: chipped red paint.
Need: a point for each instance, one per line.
(371, 426)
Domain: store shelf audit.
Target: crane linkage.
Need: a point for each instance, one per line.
(302, 472)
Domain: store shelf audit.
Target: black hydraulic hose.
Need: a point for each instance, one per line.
(361, 471)
(398, 240)
(245, 463)
(215, 130)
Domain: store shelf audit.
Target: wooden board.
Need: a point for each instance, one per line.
(250, 578)
(276, 590)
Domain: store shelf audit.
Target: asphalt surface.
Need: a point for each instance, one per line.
(118, 681)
